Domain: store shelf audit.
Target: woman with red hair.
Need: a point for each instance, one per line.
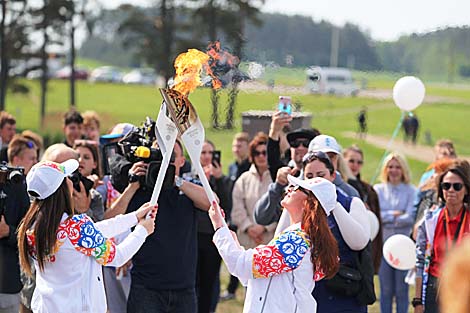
(281, 275)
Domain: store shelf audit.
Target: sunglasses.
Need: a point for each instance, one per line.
(352, 161)
(297, 187)
(258, 153)
(456, 186)
(296, 143)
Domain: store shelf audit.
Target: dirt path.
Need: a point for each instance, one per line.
(417, 152)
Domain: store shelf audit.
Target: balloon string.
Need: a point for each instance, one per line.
(387, 149)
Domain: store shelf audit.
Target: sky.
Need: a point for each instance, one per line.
(384, 20)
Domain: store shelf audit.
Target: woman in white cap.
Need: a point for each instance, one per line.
(281, 275)
(68, 250)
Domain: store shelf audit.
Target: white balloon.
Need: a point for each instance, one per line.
(374, 224)
(408, 93)
(399, 252)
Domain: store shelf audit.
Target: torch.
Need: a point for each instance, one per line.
(191, 130)
(166, 132)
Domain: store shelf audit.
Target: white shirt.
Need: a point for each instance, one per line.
(279, 275)
(72, 280)
(354, 226)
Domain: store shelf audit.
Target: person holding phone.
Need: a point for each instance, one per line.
(285, 105)
(208, 262)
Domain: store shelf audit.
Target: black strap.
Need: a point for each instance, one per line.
(457, 231)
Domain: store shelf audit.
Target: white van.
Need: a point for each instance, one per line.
(331, 80)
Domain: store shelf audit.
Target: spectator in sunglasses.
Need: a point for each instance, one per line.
(247, 190)
(292, 146)
(354, 157)
(330, 146)
(441, 230)
(22, 152)
(396, 199)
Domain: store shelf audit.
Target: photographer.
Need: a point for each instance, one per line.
(164, 269)
(82, 200)
(14, 202)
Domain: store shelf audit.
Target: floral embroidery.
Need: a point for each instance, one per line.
(85, 238)
(283, 254)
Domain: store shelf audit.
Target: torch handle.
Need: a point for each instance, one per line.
(205, 184)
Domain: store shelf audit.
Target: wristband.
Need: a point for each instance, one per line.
(416, 301)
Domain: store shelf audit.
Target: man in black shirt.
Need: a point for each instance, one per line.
(164, 269)
(12, 210)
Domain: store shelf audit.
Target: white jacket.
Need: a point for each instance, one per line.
(279, 275)
(72, 280)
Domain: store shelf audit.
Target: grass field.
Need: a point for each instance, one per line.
(332, 115)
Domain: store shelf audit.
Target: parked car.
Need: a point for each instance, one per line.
(106, 74)
(331, 80)
(65, 72)
(37, 74)
(144, 76)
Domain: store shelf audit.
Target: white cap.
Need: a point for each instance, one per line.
(323, 190)
(325, 144)
(45, 177)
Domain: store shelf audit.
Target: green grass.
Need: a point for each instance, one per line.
(332, 115)
(117, 103)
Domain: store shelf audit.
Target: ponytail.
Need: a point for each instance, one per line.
(324, 252)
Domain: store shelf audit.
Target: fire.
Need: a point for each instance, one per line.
(189, 65)
(188, 68)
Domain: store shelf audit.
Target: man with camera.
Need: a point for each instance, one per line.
(14, 202)
(164, 269)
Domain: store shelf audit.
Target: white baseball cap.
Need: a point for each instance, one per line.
(323, 190)
(45, 177)
(325, 144)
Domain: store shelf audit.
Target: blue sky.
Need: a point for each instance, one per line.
(382, 19)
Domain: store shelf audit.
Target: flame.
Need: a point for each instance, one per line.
(218, 58)
(188, 68)
(189, 65)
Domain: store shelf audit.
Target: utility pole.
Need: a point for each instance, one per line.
(334, 47)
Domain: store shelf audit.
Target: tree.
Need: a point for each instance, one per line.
(49, 19)
(243, 11)
(157, 34)
(79, 11)
(13, 39)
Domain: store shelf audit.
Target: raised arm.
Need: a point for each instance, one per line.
(354, 226)
(268, 208)
(197, 194)
(262, 262)
(88, 239)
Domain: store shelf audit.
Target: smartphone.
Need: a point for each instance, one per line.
(285, 104)
(216, 158)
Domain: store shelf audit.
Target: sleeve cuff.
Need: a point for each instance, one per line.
(140, 232)
(220, 233)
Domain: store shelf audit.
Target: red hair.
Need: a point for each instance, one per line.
(324, 252)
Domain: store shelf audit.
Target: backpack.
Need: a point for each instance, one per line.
(365, 266)
(365, 293)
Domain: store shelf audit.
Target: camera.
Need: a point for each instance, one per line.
(76, 178)
(134, 147)
(10, 174)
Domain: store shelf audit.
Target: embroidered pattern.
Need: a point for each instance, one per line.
(283, 254)
(84, 237)
(54, 165)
